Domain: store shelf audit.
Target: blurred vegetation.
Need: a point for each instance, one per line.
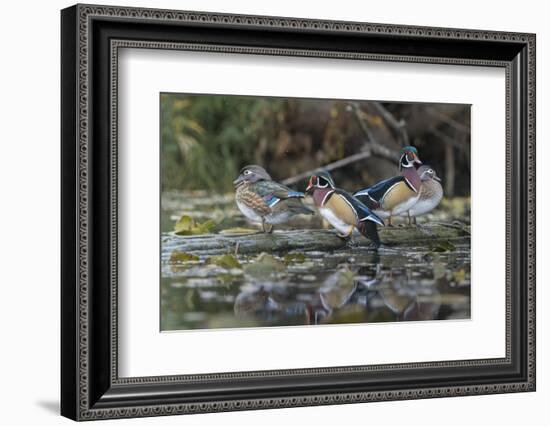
(207, 139)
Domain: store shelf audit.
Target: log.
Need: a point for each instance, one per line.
(307, 240)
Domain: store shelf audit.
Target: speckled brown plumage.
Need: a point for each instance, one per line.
(252, 200)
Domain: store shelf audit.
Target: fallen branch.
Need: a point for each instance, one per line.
(305, 240)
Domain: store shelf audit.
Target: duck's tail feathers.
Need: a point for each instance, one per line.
(368, 229)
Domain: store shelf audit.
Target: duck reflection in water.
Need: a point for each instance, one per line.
(345, 296)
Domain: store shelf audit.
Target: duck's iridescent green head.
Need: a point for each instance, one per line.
(409, 148)
(408, 157)
(321, 179)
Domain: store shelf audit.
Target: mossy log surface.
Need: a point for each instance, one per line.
(308, 239)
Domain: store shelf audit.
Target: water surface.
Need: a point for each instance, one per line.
(351, 285)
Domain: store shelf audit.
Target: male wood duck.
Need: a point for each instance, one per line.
(343, 211)
(396, 195)
(263, 200)
(431, 193)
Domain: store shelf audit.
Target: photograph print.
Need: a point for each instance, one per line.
(312, 212)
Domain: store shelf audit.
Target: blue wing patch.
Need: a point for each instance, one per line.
(271, 200)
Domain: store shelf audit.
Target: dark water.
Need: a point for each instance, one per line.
(311, 287)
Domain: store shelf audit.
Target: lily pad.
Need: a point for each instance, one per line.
(186, 225)
(227, 261)
(183, 257)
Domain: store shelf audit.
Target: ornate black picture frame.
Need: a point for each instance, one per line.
(91, 36)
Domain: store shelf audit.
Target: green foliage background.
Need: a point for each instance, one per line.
(207, 139)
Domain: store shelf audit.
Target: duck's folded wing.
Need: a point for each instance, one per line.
(378, 190)
(363, 212)
(273, 192)
(281, 191)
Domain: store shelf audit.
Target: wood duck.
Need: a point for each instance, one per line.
(343, 211)
(263, 200)
(431, 193)
(396, 195)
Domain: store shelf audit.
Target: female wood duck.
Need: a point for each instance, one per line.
(263, 200)
(396, 195)
(341, 209)
(431, 193)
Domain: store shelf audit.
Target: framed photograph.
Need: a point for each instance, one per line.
(263, 212)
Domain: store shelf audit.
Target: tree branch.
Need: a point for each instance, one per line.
(371, 147)
(328, 167)
(400, 127)
(448, 120)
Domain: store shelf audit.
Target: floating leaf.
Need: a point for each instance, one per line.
(443, 246)
(264, 266)
(294, 258)
(187, 226)
(206, 227)
(227, 261)
(183, 257)
(184, 224)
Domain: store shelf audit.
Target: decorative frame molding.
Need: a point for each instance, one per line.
(91, 388)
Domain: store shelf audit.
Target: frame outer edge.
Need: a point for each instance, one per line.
(80, 207)
(531, 212)
(69, 191)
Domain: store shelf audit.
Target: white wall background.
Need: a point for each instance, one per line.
(29, 211)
